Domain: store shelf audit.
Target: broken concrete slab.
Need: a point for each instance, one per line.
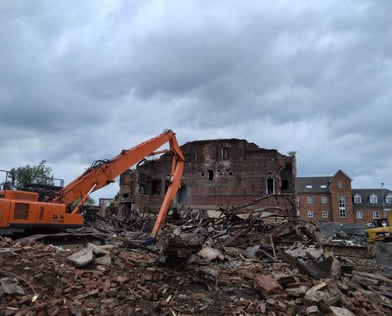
(81, 258)
(341, 311)
(11, 286)
(314, 252)
(103, 260)
(210, 253)
(312, 310)
(326, 292)
(97, 250)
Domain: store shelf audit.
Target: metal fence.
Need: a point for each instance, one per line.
(330, 229)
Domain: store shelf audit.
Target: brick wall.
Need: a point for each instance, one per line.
(317, 207)
(367, 214)
(340, 186)
(333, 188)
(219, 174)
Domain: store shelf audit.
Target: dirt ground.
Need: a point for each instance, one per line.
(37, 278)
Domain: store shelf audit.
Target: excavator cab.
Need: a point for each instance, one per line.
(381, 229)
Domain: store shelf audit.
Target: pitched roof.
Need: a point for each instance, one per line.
(365, 195)
(312, 184)
(340, 171)
(316, 184)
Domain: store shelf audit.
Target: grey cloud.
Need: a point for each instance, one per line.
(85, 79)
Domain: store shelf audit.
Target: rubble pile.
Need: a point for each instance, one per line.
(200, 265)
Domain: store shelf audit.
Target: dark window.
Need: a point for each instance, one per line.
(225, 153)
(210, 174)
(285, 184)
(270, 186)
(156, 187)
(143, 183)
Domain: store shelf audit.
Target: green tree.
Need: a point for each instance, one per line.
(22, 177)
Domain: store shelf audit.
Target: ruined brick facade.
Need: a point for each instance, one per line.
(217, 174)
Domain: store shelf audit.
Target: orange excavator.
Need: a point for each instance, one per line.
(21, 211)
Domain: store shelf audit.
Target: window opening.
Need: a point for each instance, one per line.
(342, 206)
(340, 184)
(225, 153)
(270, 186)
(373, 199)
(357, 199)
(156, 187)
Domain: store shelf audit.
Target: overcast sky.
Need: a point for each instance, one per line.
(82, 80)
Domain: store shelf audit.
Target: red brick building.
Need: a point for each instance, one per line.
(217, 174)
(331, 199)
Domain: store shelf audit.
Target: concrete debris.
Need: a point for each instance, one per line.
(81, 258)
(97, 250)
(210, 253)
(104, 260)
(312, 310)
(11, 286)
(321, 292)
(341, 311)
(201, 265)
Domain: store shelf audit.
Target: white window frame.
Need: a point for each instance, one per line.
(310, 214)
(324, 214)
(376, 214)
(359, 215)
(373, 199)
(357, 199)
(342, 206)
(388, 198)
(324, 200)
(342, 213)
(309, 199)
(340, 184)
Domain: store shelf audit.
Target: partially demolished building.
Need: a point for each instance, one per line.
(218, 174)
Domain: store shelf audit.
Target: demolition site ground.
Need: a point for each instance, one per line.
(222, 264)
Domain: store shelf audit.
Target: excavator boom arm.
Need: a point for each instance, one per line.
(21, 211)
(101, 173)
